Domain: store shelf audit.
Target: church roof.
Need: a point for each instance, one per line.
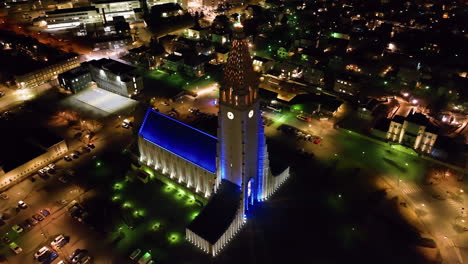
(218, 214)
(180, 139)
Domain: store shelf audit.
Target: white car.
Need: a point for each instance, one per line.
(15, 248)
(51, 166)
(59, 242)
(41, 252)
(22, 204)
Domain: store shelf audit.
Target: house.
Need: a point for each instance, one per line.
(347, 83)
(221, 54)
(172, 62)
(194, 66)
(262, 64)
(415, 131)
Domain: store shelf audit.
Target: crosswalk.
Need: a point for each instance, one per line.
(408, 188)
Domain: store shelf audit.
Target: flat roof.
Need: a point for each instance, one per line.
(180, 139)
(103, 100)
(73, 73)
(72, 10)
(116, 67)
(20, 147)
(218, 214)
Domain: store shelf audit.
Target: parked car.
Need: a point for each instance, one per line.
(45, 212)
(135, 254)
(49, 257)
(303, 118)
(59, 242)
(63, 179)
(41, 252)
(91, 145)
(38, 217)
(145, 258)
(76, 252)
(42, 172)
(67, 158)
(32, 221)
(85, 260)
(18, 229)
(22, 205)
(87, 149)
(6, 239)
(26, 225)
(78, 257)
(4, 196)
(15, 248)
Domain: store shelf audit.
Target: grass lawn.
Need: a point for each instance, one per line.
(157, 214)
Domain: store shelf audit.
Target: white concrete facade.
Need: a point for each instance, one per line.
(423, 142)
(53, 153)
(176, 168)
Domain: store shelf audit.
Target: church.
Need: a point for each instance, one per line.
(232, 170)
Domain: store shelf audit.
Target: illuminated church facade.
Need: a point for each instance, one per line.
(231, 170)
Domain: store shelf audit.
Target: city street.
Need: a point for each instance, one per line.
(16, 97)
(55, 195)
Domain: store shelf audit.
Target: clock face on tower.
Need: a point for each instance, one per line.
(230, 115)
(251, 112)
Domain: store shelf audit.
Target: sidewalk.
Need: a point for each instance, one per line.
(403, 149)
(448, 251)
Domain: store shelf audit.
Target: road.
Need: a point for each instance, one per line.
(16, 97)
(47, 194)
(441, 216)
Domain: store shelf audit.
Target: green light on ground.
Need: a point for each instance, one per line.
(118, 186)
(174, 237)
(127, 205)
(191, 200)
(385, 82)
(155, 226)
(116, 198)
(180, 194)
(138, 213)
(193, 215)
(149, 171)
(98, 164)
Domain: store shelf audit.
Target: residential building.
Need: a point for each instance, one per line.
(50, 71)
(75, 80)
(72, 17)
(116, 77)
(414, 131)
(112, 8)
(172, 62)
(262, 64)
(24, 154)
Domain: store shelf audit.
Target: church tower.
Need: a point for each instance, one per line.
(240, 129)
(243, 176)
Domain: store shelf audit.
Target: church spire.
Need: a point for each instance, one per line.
(239, 87)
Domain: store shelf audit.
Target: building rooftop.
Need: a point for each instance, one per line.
(21, 148)
(164, 8)
(398, 119)
(116, 67)
(112, 1)
(418, 118)
(311, 101)
(218, 214)
(174, 58)
(180, 139)
(72, 10)
(76, 72)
